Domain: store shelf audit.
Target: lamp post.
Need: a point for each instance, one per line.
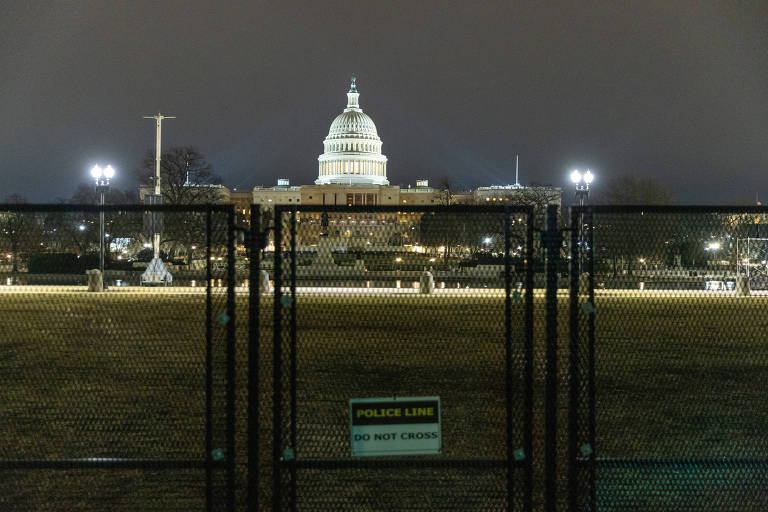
(102, 177)
(581, 181)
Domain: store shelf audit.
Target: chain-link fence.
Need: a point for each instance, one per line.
(668, 359)
(117, 389)
(640, 389)
(380, 315)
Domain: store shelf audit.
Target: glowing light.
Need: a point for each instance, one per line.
(398, 260)
(588, 177)
(487, 240)
(147, 245)
(576, 176)
(431, 259)
(109, 172)
(81, 227)
(96, 172)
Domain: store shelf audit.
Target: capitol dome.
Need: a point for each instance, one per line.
(352, 148)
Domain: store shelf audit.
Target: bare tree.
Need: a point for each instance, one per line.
(628, 189)
(20, 231)
(446, 190)
(85, 193)
(185, 176)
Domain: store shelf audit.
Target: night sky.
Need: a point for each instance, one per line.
(673, 90)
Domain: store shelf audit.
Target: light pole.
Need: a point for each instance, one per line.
(156, 273)
(102, 177)
(158, 157)
(581, 181)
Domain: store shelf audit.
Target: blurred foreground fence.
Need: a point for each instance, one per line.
(612, 358)
(668, 359)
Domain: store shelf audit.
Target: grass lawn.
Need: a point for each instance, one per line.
(121, 375)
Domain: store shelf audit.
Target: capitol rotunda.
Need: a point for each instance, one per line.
(352, 148)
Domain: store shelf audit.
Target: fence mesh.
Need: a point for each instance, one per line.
(660, 359)
(679, 358)
(103, 401)
(397, 304)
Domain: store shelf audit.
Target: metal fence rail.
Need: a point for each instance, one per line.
(124, 398)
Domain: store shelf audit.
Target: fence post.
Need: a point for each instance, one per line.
(277, 369)
(591, 356)
(574, 380)
(552, 247)
(208, 365)
(231, 355)
(529, 351)
(254, 324)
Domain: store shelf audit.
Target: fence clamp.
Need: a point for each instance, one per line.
(286, 301)
(223, 319)
(588, 308)
(519, 454)
(288, 454)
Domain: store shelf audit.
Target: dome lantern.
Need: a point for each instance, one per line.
(353, 95)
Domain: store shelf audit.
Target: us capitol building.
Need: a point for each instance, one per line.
(352, 171)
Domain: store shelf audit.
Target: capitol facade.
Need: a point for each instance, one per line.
(352, 171)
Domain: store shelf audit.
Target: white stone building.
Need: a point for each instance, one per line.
(352, 171)
(352, 148)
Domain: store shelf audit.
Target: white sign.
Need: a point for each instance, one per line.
(395, 426)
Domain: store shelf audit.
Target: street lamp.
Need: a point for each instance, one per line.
(581, 181)
(102, 177)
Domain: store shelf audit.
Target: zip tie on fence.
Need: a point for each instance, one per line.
(519, 454)
(286, 301)
(517, 296)
(288, 454)
(586, 450)
(588, 308)
(217, 454)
